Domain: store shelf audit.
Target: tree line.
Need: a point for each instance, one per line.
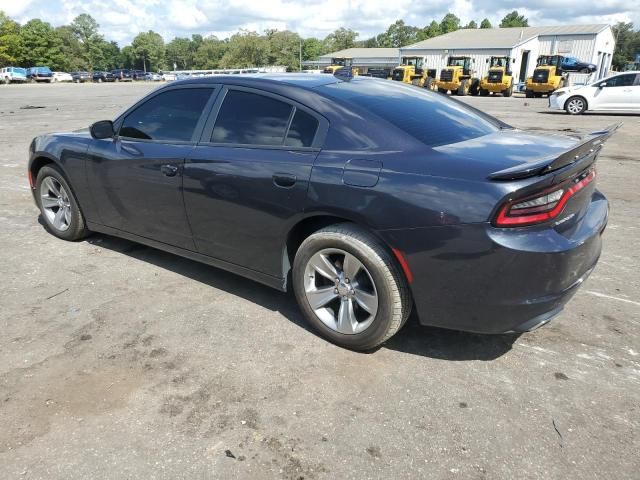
(81, 46)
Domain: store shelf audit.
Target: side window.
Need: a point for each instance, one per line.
(169, 116)
(621, 80)
(302, 130)
(251, 119)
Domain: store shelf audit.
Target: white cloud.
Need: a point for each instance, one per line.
(121, 20)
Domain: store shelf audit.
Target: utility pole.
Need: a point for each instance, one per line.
(300, 52)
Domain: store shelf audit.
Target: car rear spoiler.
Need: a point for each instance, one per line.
(588, 145)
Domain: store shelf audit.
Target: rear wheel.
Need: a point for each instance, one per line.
(484, 92)
(58, 205)
(509, 91)
(428, 83)
(474, 89)
(528, 93)
(463, 89)
(575, 106)
(350, 287)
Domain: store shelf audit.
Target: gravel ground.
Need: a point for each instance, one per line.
(121, 361)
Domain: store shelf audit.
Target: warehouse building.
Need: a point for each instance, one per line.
(589, 43)
(364, 58)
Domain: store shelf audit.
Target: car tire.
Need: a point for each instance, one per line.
(575, 105)
(378, 302)
(585, 70)
(53, 188)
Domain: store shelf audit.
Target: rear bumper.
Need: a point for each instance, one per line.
(483, 279)
(447, 85)
(493, 87)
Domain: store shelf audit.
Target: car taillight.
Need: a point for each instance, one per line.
(542, 206)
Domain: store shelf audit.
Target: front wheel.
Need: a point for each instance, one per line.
(575, 106)
(58, 205)
(349, 287)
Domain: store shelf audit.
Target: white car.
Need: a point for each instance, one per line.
(62, 77)
(618, 93)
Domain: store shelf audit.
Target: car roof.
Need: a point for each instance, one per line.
(303, 80)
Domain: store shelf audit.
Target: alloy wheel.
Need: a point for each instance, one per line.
(55, 202)
(575, 105)
(340, 290)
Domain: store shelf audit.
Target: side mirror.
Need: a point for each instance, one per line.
(603, 84)
(486, 60)
(102, 129)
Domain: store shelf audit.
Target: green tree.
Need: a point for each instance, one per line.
(40, 46)
(471, 24)
(398, 35)
(430, 31)
(180, 53)
(627, 44)
(284, 49)
(340, 39)
(110, 56)
(486, 23)
(85, 30)
(209, 52)
(246, 49)
(449, 23)
(514, 19)
(312, 48)
(149, 48)
(72, 50)
(9, 40)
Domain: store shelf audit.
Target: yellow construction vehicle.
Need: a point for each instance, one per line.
(458, 77)
(547, 77)
(411, 70)
(341, 62)
(499, 78)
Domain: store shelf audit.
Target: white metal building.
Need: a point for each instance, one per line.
(589, 43)
(363, 58)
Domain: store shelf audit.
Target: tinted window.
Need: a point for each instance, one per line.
(622, 80)
(251, 119)
(430, 117)
(169, 116)
(302, 131)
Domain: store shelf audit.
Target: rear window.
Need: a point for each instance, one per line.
(428, 116)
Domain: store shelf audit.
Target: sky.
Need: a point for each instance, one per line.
(121, 20)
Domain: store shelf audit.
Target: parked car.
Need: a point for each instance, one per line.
(81, 77)
(153, 77)
(122, 75)
(39, 74)
(13, 75)
(103, 77)
(343, 191)
(572, 64)
(618, 93)
(62, 77)
(138, 74)
(168, 76)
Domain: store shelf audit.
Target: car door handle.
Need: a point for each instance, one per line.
(169, 170)
(284, 180)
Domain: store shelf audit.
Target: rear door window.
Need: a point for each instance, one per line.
(169, 116)
(248, 118)
(302, 130)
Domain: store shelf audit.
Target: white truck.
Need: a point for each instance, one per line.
(13, 75)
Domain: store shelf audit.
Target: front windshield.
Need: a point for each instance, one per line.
(339, 61)
(498, 62)
(19, 70)
(547, 60)
(414, 61)
(456, 62)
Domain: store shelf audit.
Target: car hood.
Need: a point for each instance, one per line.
(479, 157)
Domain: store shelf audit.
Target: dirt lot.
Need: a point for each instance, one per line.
(121, 361)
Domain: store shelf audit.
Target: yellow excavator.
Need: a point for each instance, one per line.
(458, 77)
(411, 70)
(547, 77)
(499, 79)
(341, 62)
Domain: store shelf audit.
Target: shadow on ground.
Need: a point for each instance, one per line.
(413, 338)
